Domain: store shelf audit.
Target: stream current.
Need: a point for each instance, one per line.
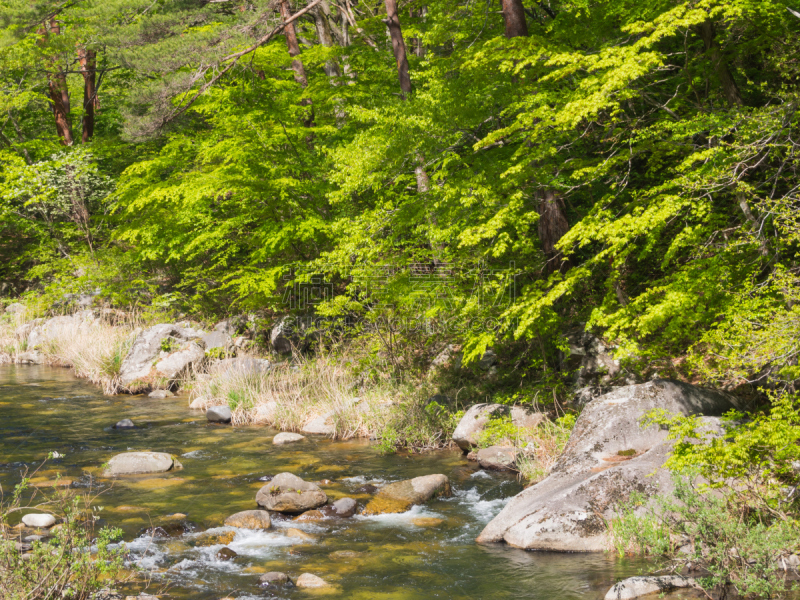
(427, 552)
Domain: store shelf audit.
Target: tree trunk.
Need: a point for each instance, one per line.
(294, 48)
(325, 38)
(398, 46)
(552, 227)
(514, 17)
(59, 93)
(88, 62)
(729, 88)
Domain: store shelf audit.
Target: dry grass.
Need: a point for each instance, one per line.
(291, 394)
(91, 346)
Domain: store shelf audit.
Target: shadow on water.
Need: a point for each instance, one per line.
(428, 552)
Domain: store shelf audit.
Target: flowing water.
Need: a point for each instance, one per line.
(428, 552)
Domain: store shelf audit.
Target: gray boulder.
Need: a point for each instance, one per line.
(160, 394)
(241, 365)
(221, 337)
(636, 587)
(133, 463)
(148, 360)
(282, 337)
(15, 308)
(321, 425)
(67, 325)
(608, 455)
(219, 414)
(476, 418)
(402, 495)
(289, 494)
(286, 437)
(498, 458)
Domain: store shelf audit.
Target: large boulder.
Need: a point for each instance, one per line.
(608, 456)
(402, 495)
(59, 327)
(221, 337)
(474, 421)
(283, 337)
(241, 365)
(133, 463)
(288, 493)
(163, 351)
(15, 308)
(498, 458)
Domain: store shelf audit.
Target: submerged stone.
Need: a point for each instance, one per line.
(636, 587)
(307, 580)
(226, 554)
(273, 578)
(125, 424)
(287, 437)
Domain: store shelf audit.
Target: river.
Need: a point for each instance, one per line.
(428, 552)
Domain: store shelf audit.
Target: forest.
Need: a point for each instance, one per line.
(426, 177)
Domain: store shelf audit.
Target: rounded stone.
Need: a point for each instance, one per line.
(160, 394)
(39, 520)
(274, 578)
(402, 495)
(307, 580)
(299, 534)
(287, 437)
(345, 507)
(290, 494)
(226, 554)
(132, 463)
(125, 424)
(310, 515)
(219, 414)
(249, 519)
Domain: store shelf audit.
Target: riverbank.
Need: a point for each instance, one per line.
(426, 552)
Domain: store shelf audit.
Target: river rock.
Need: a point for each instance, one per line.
(43, 521)
(241, 365)
(287, 438)
(219, 414)
(15, 308)
(345, 507)
(273, 578)
(498, 458)
(226, 554)
(147, 362)
(249, 519)
(635, 587)
(608, 455)
(290, 494)
(402, 495)
(30, 357)
(321, 425)
(132, 463)
(310, 515)
(307, 580)
(160, 394)
(62, 326)
(198, 403)
(125, 424)
(299, 534)
(475, 419)
(282, 336)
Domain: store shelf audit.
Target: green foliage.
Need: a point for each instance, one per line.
(59, 566)
(637, 528)
(500, 429)
(758, 452)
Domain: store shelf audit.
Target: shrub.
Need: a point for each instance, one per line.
(73, 564)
